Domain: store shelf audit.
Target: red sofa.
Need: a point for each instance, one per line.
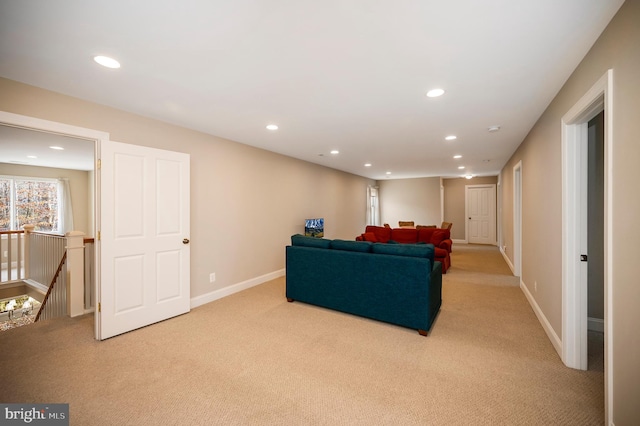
(440, 238)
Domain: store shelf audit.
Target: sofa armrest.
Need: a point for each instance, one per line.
(435, 290)
(446, 244)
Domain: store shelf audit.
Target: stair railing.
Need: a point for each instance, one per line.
(12, 256)
(61, 267)
(58, 308)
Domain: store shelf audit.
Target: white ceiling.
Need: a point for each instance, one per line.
(20, 146)
(334, 74)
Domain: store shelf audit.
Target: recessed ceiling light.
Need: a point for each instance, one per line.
(451, 138)
(59, 148)
(367, 164)
(31, 156)
(460, 167)
(388, 173)
(272, 127)
(335, 151)
(434, 93)
(106, 61)
(493, 129)
(457, 156)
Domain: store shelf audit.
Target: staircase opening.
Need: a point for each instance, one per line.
(53, 277)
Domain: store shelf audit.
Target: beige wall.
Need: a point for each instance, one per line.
(245, 202)
(415, 200)
(455, 201)
(540, 154)
(78, 182)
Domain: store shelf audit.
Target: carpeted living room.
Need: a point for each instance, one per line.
(253, 358)
(210, 132)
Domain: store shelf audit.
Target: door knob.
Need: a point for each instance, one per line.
(185, 241)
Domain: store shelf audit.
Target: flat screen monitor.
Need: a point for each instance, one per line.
(314, 227)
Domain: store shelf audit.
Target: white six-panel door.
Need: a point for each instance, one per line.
(144, 246)
(481, 214)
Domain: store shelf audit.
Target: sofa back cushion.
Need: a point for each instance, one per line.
(439, 235)
(301, 240)
(369, 236)
(360, 246)
(404, 235)
(410, 250)
(424, 234)
(433, 235)
(382, 234)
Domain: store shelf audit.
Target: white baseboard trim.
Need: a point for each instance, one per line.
(546, 325)
(235, 288)
(459, 241)
(595, 324)
(509, 263)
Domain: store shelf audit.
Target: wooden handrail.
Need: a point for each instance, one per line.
(12, 232)
(49, 234)
(53, 281)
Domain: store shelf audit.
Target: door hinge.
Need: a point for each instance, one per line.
(583, 258)
(99, 164)
(98, 235)
(99, 307)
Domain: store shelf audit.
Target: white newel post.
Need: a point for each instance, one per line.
(28, 229)
(75, 273)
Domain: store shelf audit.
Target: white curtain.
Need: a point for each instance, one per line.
(373, 206)
(65, 209)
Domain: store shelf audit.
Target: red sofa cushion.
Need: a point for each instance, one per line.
(382, 234)
(370, 236)
(404, 235)
(438, 236)
(424, 235)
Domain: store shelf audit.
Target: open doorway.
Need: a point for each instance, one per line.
(47, 182)
(140, 192)
(575, 228)
(595, 243)
(87, 138)
(517, 219)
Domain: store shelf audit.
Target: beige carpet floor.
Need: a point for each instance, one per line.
(254, 359)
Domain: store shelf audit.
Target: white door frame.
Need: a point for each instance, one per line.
(95, 136)
(517, 220)
(499, 213)
(574, 285)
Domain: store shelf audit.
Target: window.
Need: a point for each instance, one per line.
(29, 201)
(373, 206)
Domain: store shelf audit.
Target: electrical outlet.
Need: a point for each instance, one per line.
(6, 253)
(212, 277)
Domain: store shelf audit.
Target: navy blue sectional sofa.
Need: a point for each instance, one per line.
(395, 283)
